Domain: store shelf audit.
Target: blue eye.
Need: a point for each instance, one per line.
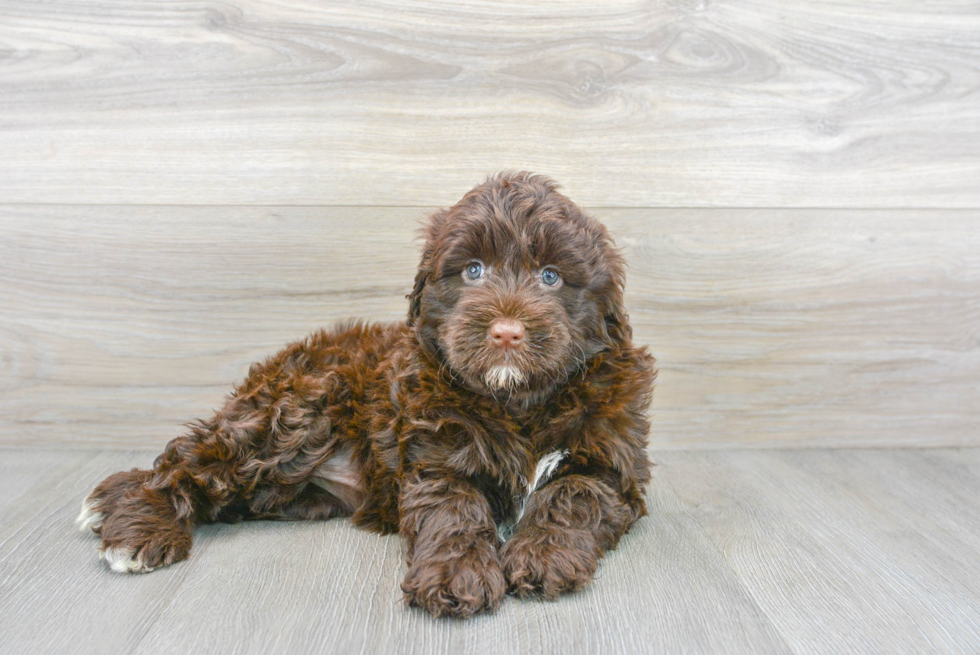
(550, 277)
(474, 271)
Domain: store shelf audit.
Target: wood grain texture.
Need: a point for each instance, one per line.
(833, 550)
(772, 327)
(807, 551)
(324, 587)
(328, 586)
(56, 595)
(827, 103)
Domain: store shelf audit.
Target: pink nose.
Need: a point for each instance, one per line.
(507, 332)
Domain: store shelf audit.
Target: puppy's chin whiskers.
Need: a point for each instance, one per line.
(503, 377)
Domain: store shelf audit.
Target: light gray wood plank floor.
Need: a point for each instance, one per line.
(804, 551)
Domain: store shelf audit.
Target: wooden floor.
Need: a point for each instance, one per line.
(744, 551)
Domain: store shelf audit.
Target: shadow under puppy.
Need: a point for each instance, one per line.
(500, 430)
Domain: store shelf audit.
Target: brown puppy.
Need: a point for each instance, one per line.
(501, 429)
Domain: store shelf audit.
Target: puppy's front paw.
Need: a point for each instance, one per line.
(542, 562)
(456, 583)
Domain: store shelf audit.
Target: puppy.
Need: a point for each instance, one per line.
(500, 429)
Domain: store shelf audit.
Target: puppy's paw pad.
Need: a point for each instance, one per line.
(90, 517)
(124, 560)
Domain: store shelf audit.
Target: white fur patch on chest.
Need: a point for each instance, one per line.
(542, 473)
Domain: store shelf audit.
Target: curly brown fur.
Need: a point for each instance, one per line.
(517, 346)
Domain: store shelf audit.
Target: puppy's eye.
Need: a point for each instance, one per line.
(474, 271)
(550, 277)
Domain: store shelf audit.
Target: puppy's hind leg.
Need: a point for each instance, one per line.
(140, 529)
(336, 488)
(258, 452)
(144, 531)
(311, 504)
(144, 517)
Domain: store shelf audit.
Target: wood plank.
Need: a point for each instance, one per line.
(932, 487)
(56, 596)
(20, 469)
(808, 328)
(833, 556)
(772, 327)
(123, 323)
(690, 103)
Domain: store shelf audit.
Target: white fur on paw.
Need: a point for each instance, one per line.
(121, 560)
(89, 519)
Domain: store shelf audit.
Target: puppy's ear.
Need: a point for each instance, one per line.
(431, 233)
(415, 298)
(616, 322)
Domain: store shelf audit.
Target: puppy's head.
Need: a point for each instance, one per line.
(517, 288)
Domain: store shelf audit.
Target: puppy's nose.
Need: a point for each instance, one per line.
(507, 332)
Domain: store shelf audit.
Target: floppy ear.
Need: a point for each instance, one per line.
(415, 297)
(430, 232)
(616, 322)
(618, 328)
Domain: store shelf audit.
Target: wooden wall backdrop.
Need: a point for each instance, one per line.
(749, 103)
(186, 186)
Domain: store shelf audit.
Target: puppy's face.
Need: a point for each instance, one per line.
(517, 289)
